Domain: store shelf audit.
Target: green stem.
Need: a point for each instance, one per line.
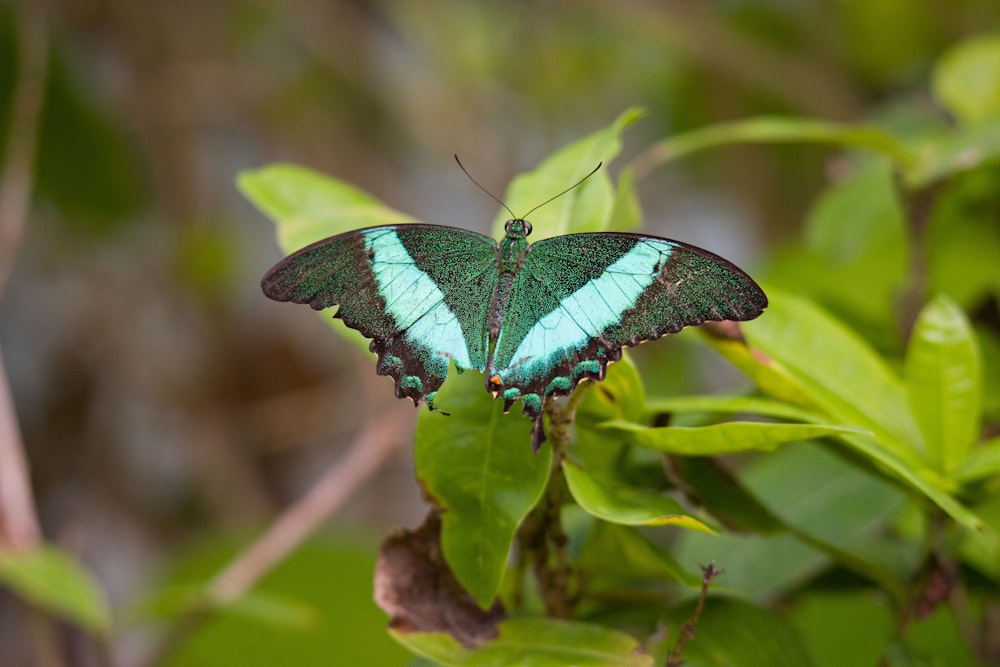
(544, 535)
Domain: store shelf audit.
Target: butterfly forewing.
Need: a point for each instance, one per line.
(420, 292)
(579, 299)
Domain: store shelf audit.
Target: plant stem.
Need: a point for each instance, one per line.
(708, 573)
(543, 535)
(18, 520)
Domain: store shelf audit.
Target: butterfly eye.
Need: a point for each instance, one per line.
(527, 227)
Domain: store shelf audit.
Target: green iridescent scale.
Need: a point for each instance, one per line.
(553, 313)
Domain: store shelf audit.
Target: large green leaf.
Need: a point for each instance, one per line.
(621, 395)
(918, 476)
(592, 207)
(616, 556)
(534, 642)
(713, 485)
(982, 462)
(967, 79)
(626, 213)
(477, 464)
(837, 370)
(307, 206)
(54, 582)
(724, 438)
(843, 628)
(836, 507)
(942, 379)
(858, 246)
(832, 509)
(802, 352)
(768, 374)
(596, 467)
(607, 497)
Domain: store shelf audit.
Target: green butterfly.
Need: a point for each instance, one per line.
(536, 319)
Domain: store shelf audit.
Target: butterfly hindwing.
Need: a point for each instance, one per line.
(579, 299)
(420, 292)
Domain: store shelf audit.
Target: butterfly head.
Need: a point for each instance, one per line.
(517, 228)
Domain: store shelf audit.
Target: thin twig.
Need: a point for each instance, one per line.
(373, 447)
(18, 519)
(708, 573)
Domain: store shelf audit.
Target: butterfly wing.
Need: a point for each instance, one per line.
(579, 299)
(420, 292)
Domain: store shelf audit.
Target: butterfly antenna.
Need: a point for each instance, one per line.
(572, 187)
(466, 172)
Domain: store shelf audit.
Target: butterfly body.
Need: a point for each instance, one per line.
(536, 319)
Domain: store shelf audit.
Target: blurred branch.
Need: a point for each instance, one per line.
(376, 443)
(18, 520)
(381, 437)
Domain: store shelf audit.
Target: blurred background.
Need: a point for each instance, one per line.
(169, 411)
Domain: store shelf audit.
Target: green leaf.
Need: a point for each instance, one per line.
(938, 639)
(533, 642)
(810, 356)
(843, 628)
(770, 376)
(982, 462)
(981, 550)
(730, 404)
(966, 79)
(615, 556)
(858, 246)
(724, 495)
(834, 512)
(733, 633)
(307, 206)
(595, 471)
(600, 494)
(838, 508)
(755, 566)
(592, 206)
(56, 583)
(943, 383)
(919, 477)
(478, 466)
(724, 438)
(775, 130)
(838, 371)
(963, 240)
(952, 153)
(626, 212)
(620, 395)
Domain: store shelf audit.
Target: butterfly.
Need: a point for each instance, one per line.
(536, 319)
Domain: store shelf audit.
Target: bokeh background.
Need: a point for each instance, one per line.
(169, 411)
